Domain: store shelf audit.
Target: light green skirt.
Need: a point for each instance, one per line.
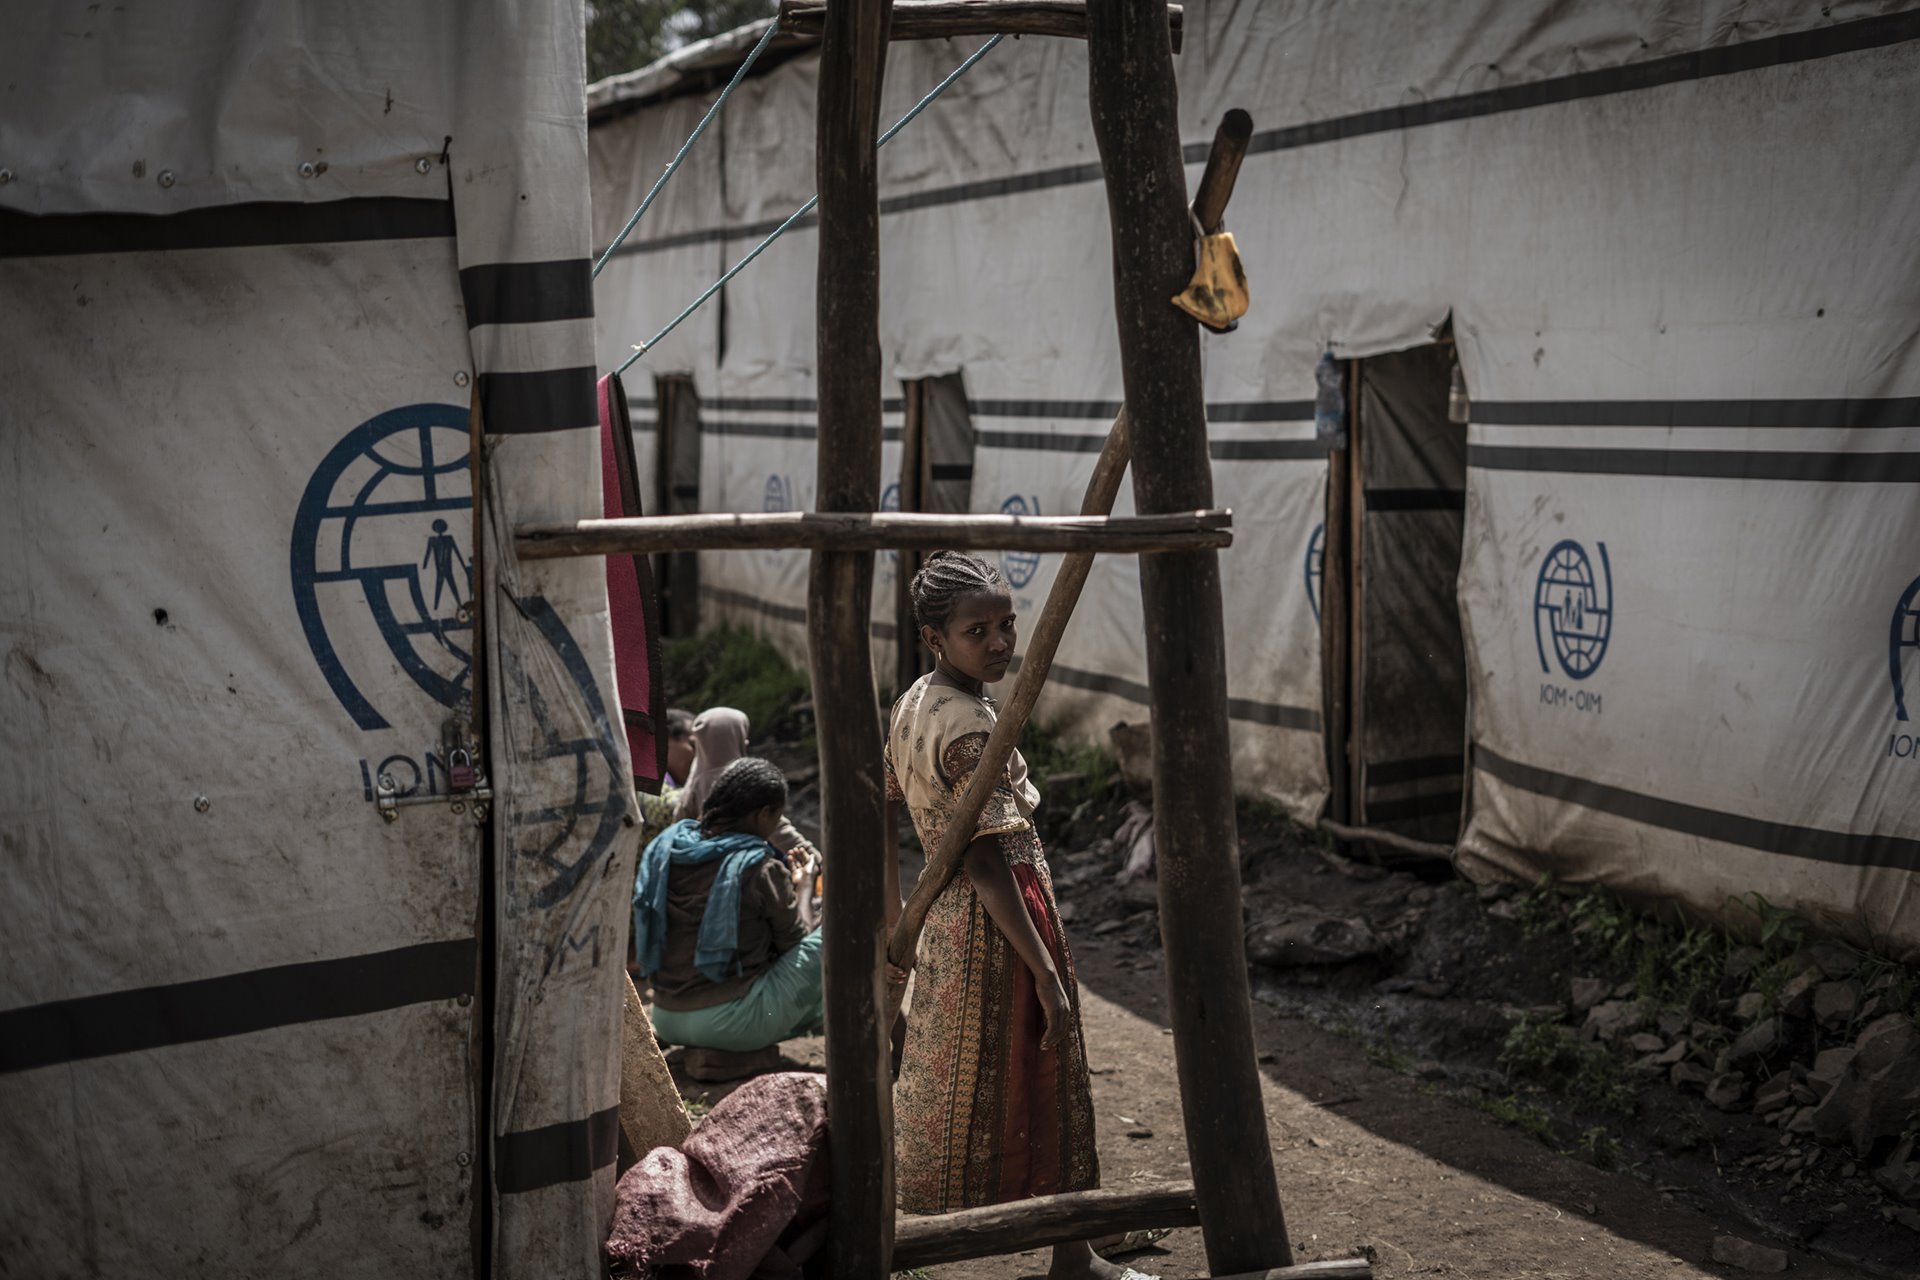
(782, 1003)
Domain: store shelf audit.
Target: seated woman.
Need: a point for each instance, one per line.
(715, 925)
(718, 737)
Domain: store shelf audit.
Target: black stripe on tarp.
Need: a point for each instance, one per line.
(1700, 64)
(950, 471)
(227, 226)
(763, 430)
(1824, 415)
(234, 1004)
(1108, 409)
(528, 292)
(1841, 847)
(1407, 808)
(1040, 441)
(1270, 450)
(1702, 464)
(1754, 55)
(571, 1151)
(550, 400)
(1389, 773)
(1261, 411)
(1416, 499)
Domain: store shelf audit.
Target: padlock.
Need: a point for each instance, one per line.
(461, 775)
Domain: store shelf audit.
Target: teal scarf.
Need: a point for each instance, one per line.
(682, 845)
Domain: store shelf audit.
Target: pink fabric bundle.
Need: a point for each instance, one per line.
(744, 1198)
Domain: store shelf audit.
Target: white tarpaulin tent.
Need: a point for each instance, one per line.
(1672, 246)
(258, 261)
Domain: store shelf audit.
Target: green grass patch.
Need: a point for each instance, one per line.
(1516, 1114)
(1542, 1053)
(731, 667)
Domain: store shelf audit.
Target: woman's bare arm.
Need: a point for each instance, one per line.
(993, 880)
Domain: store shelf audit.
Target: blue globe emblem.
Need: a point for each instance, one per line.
(1903, 642)
(1573, 609)
(1315, 566)
(380, 559)
(778, 495)
(1020, 566)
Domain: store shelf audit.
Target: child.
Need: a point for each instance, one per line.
(993, 1102)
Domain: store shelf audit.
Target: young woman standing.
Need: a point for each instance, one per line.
(993, 1102)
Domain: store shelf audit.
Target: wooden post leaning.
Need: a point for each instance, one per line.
(1136, 127)
(943, 863)
(839, 597)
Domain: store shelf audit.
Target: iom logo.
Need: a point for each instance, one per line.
(1903, 652)
(1315, 567)
(778, 495)
(1020, 566)
(1573, 609)
(380, 561)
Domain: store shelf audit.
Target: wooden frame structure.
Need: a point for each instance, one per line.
(1234, 1195)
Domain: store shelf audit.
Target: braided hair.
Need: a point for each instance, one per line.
(946, 576)
(746, 786)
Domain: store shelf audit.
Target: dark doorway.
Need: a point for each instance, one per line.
(677, 492)
(1390, 624)
(936, 475)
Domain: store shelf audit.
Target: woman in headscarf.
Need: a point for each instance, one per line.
(715, 925)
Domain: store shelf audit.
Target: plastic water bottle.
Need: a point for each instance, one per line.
(1329, 403)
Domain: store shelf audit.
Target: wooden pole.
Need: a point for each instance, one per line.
(865, 531)
(944, 862)
(1136, 126)
(1327, 1269)
(1034, 1224)
(853, 54)
(941, 19)
(1223, 168)
(1391, 839)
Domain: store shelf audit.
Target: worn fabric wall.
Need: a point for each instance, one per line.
(263, 261)
(1683, 315)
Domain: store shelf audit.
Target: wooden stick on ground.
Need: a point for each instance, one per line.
(876, 531)
(1392, 839)
(1034, 1224)
(944, 862)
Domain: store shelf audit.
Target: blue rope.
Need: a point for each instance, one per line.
(673, 165)
(803, 210)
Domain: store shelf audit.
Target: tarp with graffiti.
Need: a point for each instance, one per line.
(1681, 312)
(312, 965)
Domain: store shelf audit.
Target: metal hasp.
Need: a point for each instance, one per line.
(468, 790)
(1135, 108)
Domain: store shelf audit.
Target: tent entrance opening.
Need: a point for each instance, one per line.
(677, 492)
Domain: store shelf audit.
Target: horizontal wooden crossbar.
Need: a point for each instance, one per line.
(1327, 1269)
(877, 531)
(939, 19)
(1039, 1222)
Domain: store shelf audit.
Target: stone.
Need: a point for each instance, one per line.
(1108, 926)
(1686, 1074)
(1803, 1095)
(1870, 1101)
(1067, 911)
(1732, 1251)
(1494, 891)
(1828, 1066)
(1311, 940)
(1742, 961)
(1802, 1121)
(1671, 1023)
(1624, 991)
(1588, 992)
(1907, 1218)
(1757, 1043)
(1748, 1006)
(1609, 1020)
(1901, 1181)
(1771, 1095)
(1645, 1042)
(1874, 1007)
(1726, 1092)
(1835, 959)
(1796, 998)
(1675, 1052)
